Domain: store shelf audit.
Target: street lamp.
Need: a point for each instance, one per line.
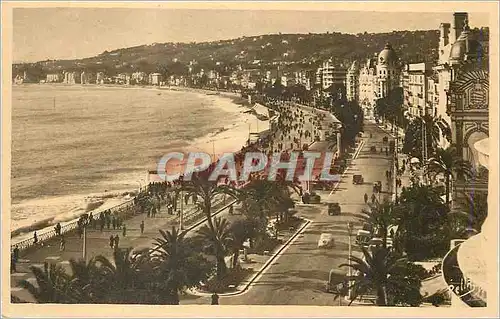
(349, 232)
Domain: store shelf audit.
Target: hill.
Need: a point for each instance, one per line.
(304, 50)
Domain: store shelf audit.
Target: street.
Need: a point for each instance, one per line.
(298, 276)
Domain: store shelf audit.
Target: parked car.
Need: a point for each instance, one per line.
(334, 209)
(357, 179)
(336, 281)
(363, 237)
(326, 241)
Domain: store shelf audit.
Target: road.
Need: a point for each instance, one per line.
(298, 276)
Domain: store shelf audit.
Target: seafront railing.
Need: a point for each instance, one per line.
(121, 209)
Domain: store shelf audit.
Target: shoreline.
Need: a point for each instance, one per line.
(230, 138)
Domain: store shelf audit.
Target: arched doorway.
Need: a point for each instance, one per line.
(470, 152)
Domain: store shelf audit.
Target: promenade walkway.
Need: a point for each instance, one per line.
(98, 243)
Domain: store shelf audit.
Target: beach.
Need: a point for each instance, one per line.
(80, 148)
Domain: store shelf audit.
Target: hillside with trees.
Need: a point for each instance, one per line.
(301, 50)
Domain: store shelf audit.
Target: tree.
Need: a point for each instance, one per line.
(242, 230)
(392, 279)
(86, 281)
(381, 215)
(447, 162)
(435, 128)
(422, 218)
(471, 212)
(206, 190)
(52, 284)
(219, 239)
(178, 265)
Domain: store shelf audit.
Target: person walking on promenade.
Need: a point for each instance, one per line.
(108, 222)
(58, 229)
(113, 221)
(62, 244)
(111, 241)
(142, 227)
(35, 238)
(215, 299)
(373, 198)
(102, 222)
(124, 230)
(366, 198)
(117, 241)
(91, 220)
(14, 259)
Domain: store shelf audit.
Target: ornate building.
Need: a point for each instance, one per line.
(352, 82)
(377, 77)
(466, 88)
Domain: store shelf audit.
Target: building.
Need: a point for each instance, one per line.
(388, 71)
(87, 78)
(72, 78)
(100, 78)
(139, 78)
(329, 74)
(432, 97)
(415, 77)
(466, 71)
(155, 79)
(352, 82)
(368, 87)
(54, 78)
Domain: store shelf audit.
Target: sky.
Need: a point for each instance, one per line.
(69, 33)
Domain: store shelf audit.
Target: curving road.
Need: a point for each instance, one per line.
(299, 275)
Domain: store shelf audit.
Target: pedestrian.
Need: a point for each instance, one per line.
(12, 264)
(366, 198)
(113, 222)
(117, 241)
(111, 241)
(102, 221)
(142, 227)
(373, 198)
(15, 253)
(62, 245)
(215, 299)
(35, 238)
(124, 230)
(108, 222)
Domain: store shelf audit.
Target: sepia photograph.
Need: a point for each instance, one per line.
(337, 155)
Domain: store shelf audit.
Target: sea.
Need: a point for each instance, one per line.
(79, 148)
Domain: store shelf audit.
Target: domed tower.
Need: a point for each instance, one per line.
(387, 71)
(466, 48)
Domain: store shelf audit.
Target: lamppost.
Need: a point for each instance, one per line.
(349, 232)
(181, 214)
(85, 223)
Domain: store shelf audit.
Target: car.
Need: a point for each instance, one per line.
(373, 149)
(334, 209)
(363, 237)
(336, 281)
(326, 241)
(357, 179)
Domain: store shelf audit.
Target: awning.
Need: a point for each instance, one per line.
(483, 149)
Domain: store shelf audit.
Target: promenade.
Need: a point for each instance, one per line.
(98, 242)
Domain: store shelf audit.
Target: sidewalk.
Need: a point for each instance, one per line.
(97, 244)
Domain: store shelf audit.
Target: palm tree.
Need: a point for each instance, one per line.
(86, 280)
(242, 230)
(123, 280)
(471, 212)
(378, 272)
(435, 128)
(178, 265)
(381, 215)
(52, 284)
(447, 162)
(219, 240)
(264, 194)
(206, 190)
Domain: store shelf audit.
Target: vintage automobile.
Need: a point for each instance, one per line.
(363, 237)
(336, 281)
(334, 209)
(373, 149)
(357, 179)
(326, 241)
